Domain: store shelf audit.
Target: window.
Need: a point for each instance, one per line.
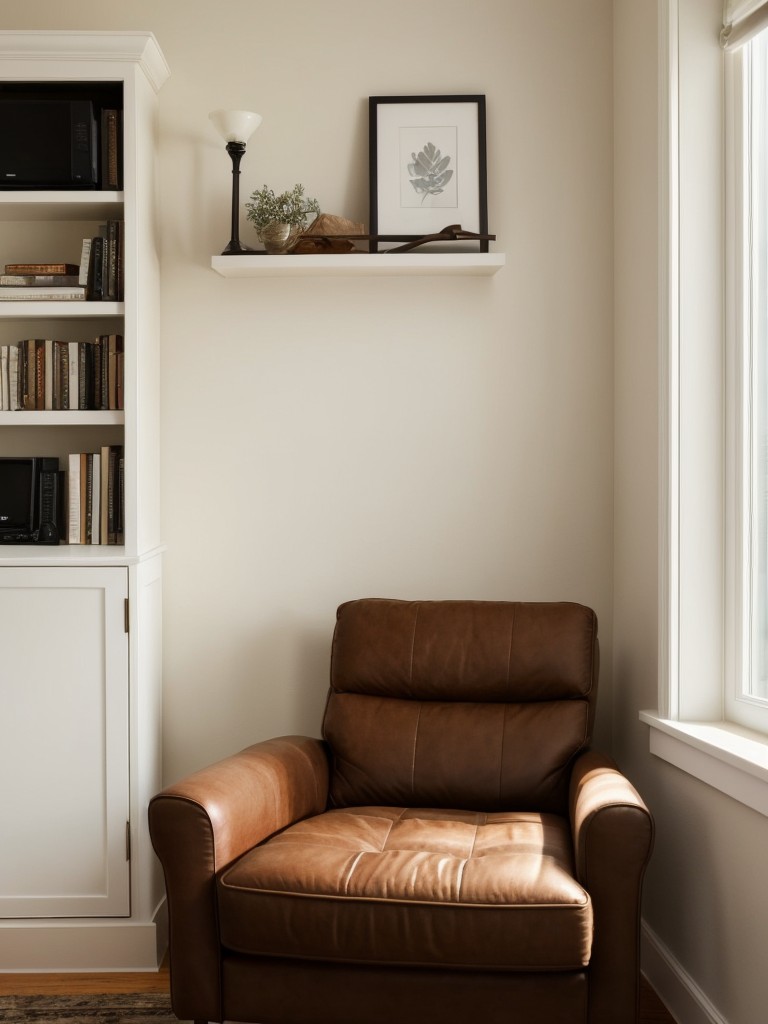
(713, 629)
(746, 340)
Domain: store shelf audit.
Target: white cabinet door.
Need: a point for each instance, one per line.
(63, 742)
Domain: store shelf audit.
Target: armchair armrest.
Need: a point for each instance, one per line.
(206, 821)
(613, 840)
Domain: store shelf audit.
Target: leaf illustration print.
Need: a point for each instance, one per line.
(429, 171)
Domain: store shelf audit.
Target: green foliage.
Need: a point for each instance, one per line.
(287, 208)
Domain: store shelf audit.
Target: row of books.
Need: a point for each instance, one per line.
(35, 282)
(42, 373)
(95, 496)
(102, 263)
(98, 276)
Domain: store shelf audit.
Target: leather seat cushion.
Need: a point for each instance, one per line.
(393, 885)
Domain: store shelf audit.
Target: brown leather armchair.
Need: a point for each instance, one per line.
(450, 851)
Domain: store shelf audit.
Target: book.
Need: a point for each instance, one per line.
(73, 499)
(95, 287)
(30, 371)
(97, 347)
(111, 149)
(13, 376)
(85, 257)
(120, 509)
(115, 495)
(120, 260)
(5, 401)
(96, 499)
(56, 374)
(9, 293)
(40, 280)
(16, 374)
(42, 268)
(48, 364)
(74, 379)
(39, 374)
(110, 262)
(85, 357)
(86, 498)
(104, 498)
(119, 397)
(63, 377)
(111, 496)
(114, 371)
(30, 375)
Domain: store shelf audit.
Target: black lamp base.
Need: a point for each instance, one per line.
(236, 248)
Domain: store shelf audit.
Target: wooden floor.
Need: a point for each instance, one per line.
(652, 1010)
(82, 984)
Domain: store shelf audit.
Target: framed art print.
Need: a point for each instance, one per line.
(427, 166)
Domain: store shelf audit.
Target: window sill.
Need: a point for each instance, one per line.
(725, 756)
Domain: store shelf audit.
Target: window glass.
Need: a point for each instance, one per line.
(747, 702)
(756, 75)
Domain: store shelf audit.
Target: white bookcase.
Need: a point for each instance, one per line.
(80, 625)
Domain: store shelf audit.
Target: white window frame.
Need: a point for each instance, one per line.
(699, 623)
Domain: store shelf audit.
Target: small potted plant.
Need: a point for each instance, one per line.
(279, 220)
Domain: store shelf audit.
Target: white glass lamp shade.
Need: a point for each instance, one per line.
(235, 125)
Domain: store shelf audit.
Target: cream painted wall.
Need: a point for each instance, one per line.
(704, 899)
(417, 438)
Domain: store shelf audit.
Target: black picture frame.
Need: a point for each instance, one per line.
(428, 167)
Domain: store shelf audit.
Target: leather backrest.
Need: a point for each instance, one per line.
(476, 705)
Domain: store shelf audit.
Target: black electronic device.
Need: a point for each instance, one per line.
(48, 143)
(30, 500)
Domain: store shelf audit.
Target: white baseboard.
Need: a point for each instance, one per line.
(78, 945)
(160, 921)
(684, 999)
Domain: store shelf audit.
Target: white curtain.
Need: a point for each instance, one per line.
(742, 19)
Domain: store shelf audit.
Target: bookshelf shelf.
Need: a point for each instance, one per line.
(63, 554)
(58, 310)
(68, 418)
(67, 310)
(361, 264)
(75, 555)
(43, 205)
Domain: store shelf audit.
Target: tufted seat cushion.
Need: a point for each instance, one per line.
(391, 885)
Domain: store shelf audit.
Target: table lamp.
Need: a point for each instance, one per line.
(235, 127)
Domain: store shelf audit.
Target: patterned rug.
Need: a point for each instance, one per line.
(131, 1008)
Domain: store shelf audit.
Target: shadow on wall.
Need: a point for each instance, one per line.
(692, 908)
(278, 683)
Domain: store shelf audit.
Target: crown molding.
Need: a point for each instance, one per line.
(133, 47)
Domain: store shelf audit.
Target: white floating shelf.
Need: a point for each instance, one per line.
(404, 264)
